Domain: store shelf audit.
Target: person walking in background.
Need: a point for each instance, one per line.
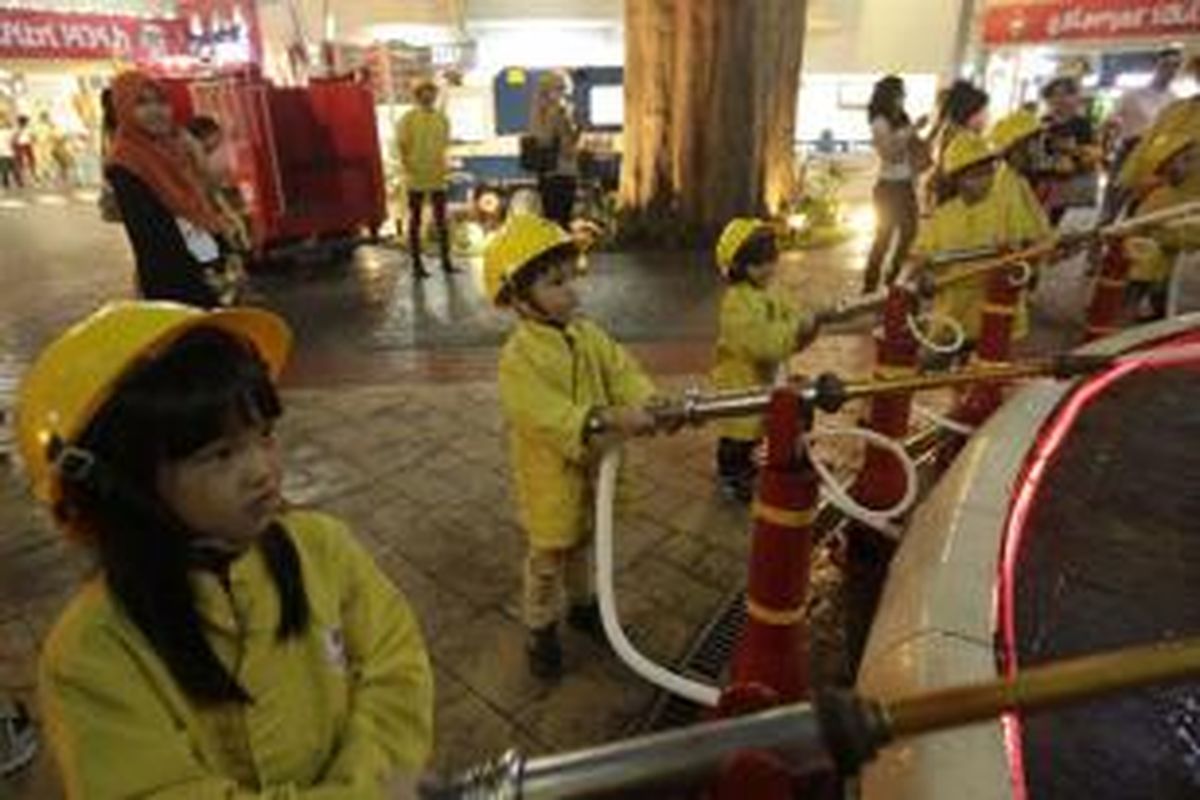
(62, 153)
(552, 125)
(45, 131)
(10, 176)
(423, 135)
(179, 236)
(1072, 149)
(23, 152)
(900, 150)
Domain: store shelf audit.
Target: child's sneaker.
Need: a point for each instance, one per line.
(18, 739)
(585, 618)
(545, 653)
(738, 490)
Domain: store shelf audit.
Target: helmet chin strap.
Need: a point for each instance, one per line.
(532, 309)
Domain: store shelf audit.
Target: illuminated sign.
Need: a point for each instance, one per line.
(1022, 21)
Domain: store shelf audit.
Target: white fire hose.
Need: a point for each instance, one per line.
(606, 495)
(837, 493)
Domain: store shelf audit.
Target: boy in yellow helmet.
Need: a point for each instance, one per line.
(988, 209)
(1172, 161)
(759, 329)
(562, 380)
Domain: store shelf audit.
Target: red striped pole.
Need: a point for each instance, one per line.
(773, 650)
(994, 348)
(1108, 295)
(881, 482)
(770, 664)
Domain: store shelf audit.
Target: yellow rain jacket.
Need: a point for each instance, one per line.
(1009, 216)
(334, 714)
(1182, 116)
(757, 334)
(1153, 254)
(550, 379)
(423, 135)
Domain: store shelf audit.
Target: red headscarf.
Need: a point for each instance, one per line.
(166, 164)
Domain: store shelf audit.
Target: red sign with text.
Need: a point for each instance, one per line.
(1064, 20)
(35, 34)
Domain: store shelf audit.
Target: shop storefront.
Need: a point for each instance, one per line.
(55, 60)
(1110, 44)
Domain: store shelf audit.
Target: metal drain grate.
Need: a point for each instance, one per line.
(712, 649)
(706, 661)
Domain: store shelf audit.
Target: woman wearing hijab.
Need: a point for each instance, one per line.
(180, 238)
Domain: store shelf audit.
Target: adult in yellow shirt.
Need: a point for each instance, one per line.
(229, 647)
(423, 135)
(991, 207)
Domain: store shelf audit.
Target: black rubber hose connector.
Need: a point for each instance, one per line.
(829, 392)
(853, 728)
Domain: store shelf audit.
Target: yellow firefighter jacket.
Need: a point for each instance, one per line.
(757, 333)
(1181, 116)
(1008, 217)
(550, 379)
(1153, 254)
(335, 712)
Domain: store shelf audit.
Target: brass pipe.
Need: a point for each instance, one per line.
(1024, 256)
(1040, 688)
(828, 393)
(919, 383)
(1040, 250)
(842, 728)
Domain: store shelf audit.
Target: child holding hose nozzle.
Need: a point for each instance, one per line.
(759, 330)
(989, 207)
(1172, 161)
(563, 380)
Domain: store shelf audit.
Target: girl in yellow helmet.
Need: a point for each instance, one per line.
(759, 330)
(230, 645)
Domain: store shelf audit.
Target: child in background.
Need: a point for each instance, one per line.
(562, 380)
(986, 209)
(213, 161)
(759, 330)
(1172, 161)
(229, 646)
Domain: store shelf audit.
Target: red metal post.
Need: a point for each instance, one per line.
(773, 650)
(994, 347)
(770, 664)
(881, 482)
(1108, 295)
